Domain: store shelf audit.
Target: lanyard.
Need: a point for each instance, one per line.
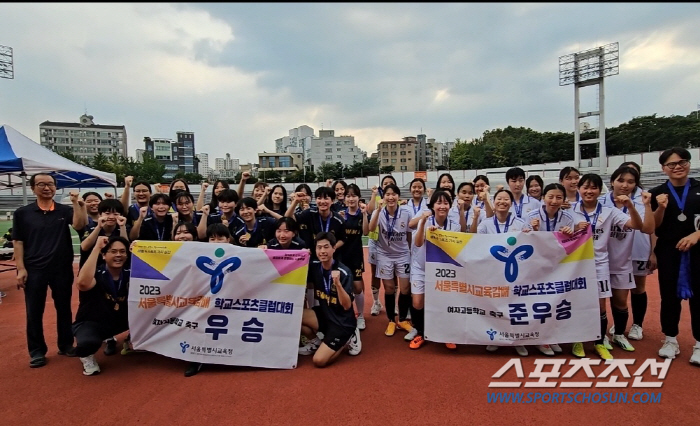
(327, 281)
(519, 209)
(466, 216)
(416, 209)
(498, 228)
(680, 201)
(390, 226)
(624, 208)
(328, 222)
(546, 219)
(114, 289)
(160, 233)
(598, 209)
(435, 223)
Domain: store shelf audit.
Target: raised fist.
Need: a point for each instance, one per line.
(121, 220)
(101, 242)
(143, 211)
(128, 181)
(662, 200)
(206, 210)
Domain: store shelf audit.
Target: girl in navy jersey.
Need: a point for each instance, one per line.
(142, 195)
(603, 219)
(185, 231)
(623, 182)
(393, 256)
(436, 217)
(176, 186)
(569, 177)
(159, 225)
(340, 188)
(306, 201)
(286, 230)
(352, 253)
(254, 230)
(218, 186)
(376, 200)
(503, 221)
(275, 204)
(184, 203)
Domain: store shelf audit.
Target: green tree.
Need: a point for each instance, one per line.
(151, 170)
(386, 169)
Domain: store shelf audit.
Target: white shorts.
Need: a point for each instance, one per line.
(387, 268)
(417, 285)
(604, 291)
(372, 251)
(640, 268)
(622, 281)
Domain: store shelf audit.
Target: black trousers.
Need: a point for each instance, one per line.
(89, 336)
(38, 282)
(669, 261)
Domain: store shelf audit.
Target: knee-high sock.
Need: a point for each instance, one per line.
(603, 327)
(360, 303)
(620, 318)
(390, 306)
(418, 319)
(639, 307)
(404, 305)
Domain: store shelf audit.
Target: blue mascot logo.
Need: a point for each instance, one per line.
(510, 258)
(184, 346)
(491, 332)
(217, 272)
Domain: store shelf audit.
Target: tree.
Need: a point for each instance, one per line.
(151, 170)
(270, 177)
(386, 169)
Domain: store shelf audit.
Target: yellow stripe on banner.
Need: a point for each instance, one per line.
(157, 254)
(582, 253)
(296, 277)
(450, 242)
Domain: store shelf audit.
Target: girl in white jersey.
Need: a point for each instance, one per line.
(503, 221)
(481, 189)
(393, 257)
(623, 181)
(376, 200)
(568, 177)
(602, 220)
(551, 218)
(473, 214)
(434, 218)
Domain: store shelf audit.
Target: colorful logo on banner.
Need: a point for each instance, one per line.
(217, 272)
(510, 258)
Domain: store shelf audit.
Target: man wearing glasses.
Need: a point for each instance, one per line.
(676, 206)
(44, 256)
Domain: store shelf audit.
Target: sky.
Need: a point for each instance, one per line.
(240, 75)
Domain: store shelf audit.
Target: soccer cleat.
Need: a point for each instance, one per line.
(405, 326)
(417, 342)
(376, 308)
(602, 351)
(390, 329)
(193, 368)
(521, 350)
(695, 359)
(621, 341)
(410, 335)
(90, 366)
(361, 324)
(355, 343)
(546, 350)
(636, 333)
(492, 348)
(111, 347)
(319, 334)
(450, 346)
(607, 344)
(556, 348)
(669, 350)
(310, 347)
(577, 350)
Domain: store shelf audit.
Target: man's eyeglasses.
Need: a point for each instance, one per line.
(674, 164)
(42, 185)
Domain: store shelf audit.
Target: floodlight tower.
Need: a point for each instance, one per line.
(588, 68)
(6, 66)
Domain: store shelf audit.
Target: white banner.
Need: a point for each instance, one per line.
(217, 303)
(510, 289)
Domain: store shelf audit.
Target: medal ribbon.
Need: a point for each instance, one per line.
(546, 219)
(390, 226)
(519, 209)
(498, 228)
(624, 208)
(598, 209)
(679, 201)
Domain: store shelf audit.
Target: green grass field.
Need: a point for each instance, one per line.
(7, 224)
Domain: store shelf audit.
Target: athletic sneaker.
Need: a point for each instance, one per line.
(405, 326)
(303, 340)
(521, 350)
(556, 348)
(602, 351)
(376, 308)
(450, 346)
(390, 329)
(128, 348)
(492, 348)
(361, 324)
(636, 332)
(111, 347)
(607, 344)
(695, 359)
(577, 350)
(310, 347)
(355, 343)
(669, 350)
(90, 366)
(410, 335)
(621, 341)
(417, 342)
(546, 349)
(2, 294)
(320, 336)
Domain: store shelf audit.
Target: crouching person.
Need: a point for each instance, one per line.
(334, 316)
(104, 289)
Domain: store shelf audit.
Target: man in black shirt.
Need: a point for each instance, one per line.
(104, 291)
(676, 206)
(44, 256)
(334, 316)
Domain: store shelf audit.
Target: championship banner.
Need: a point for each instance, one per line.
(510, 289)
(217, 303)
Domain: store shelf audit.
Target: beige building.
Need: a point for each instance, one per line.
(280, 162)
(84, 139)
(400, 154)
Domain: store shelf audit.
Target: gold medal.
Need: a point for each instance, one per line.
(247, 235)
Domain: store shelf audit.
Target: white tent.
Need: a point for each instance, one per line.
(21, 157)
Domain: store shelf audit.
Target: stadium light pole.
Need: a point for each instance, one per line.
(7, 70)
(589, 68)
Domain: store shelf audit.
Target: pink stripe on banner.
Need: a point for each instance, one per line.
(285, 261)
(571, 243)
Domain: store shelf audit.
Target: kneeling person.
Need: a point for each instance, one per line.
(104, 289)
(334, 316)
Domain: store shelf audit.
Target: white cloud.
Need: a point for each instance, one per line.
(658, 51)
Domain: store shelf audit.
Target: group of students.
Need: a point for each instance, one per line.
(331, 227)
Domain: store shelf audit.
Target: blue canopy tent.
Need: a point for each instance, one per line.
(21, 156)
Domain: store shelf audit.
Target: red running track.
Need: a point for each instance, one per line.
(387, 384)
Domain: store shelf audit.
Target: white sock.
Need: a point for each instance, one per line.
(375, 294)
(360, 303)
(671, 339)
